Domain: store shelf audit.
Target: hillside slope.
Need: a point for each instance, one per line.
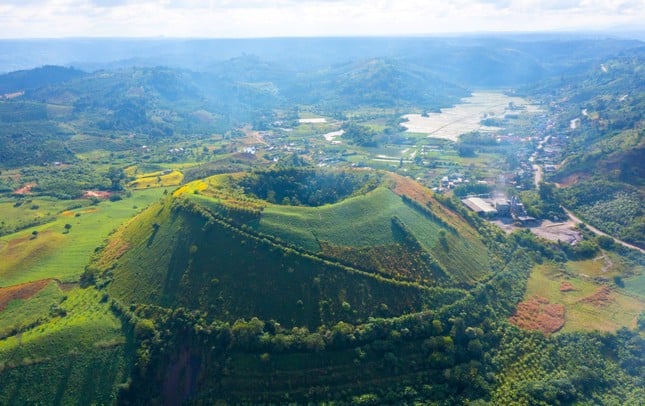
(238, 256)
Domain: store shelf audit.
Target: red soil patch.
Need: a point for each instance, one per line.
(97, 193)
(566, 287)
(21, 291)
(404, 186)
(407, 187)
(602, 297)
(25, 190)
(70, 213)
(572, 179)
(537, 313)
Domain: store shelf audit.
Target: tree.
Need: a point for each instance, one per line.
(67, 227)
(359, 135)
(116, 175)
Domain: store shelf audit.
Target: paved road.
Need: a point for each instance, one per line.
(595, 230)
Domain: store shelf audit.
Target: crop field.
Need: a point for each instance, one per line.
(366, 221)
(462, 118)
(157, 179)
(72, 334)
(25, 310)
(588, 305)
(57, 252)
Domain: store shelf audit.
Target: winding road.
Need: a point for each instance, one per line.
(538, 175)
(598, 232)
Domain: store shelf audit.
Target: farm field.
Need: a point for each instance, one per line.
(588, 305)
(157, 179)
(54, 251)
(463, 117)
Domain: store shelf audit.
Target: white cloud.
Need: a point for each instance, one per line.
(253, 18)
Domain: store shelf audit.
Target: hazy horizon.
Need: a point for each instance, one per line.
(223, 19)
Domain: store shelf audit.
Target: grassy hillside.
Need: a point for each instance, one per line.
(65, 336)
(185, 261)
(298, 265)
(601, 171)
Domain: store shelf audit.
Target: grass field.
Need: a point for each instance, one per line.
(582, 311)
(366, 221)
(56, 253)
(157, 179)
(19, 214)
(88, 324)
(82, 343)
(636, 285)
(22, 313)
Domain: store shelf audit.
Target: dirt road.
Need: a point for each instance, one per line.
(598, 232)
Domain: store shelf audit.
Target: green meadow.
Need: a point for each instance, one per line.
(60, 253)
(81, 342)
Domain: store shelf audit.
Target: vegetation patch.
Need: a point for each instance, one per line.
(307, 187)
(22, 291)
(165, 178)
(590, 306)
(601, 297)
(538, 314)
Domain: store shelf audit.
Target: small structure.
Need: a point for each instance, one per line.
(518, 212)
(502, 205)
(480, 206)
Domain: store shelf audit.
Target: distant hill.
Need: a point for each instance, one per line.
(22, 80)
(602, 175)
(483, 60)
(160, 102)
(380, 82)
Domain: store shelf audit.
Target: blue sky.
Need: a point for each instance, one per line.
(256, 18)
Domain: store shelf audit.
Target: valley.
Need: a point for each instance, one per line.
(245, 229)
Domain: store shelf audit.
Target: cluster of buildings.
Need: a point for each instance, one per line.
(499, 207)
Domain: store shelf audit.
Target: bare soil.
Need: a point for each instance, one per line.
(25, 190)
(547, 229)
(101, 194)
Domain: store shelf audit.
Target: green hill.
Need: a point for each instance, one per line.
(215, 248)
(602, 176)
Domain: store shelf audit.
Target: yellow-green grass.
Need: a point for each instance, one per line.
(94, 155)
(88, 324)
(22, 313)
(157, 179)
(580, 315)
(636, 285)
(32, 210)
(58, 111)
(308, 114)
(56, 253)
(607, 265)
